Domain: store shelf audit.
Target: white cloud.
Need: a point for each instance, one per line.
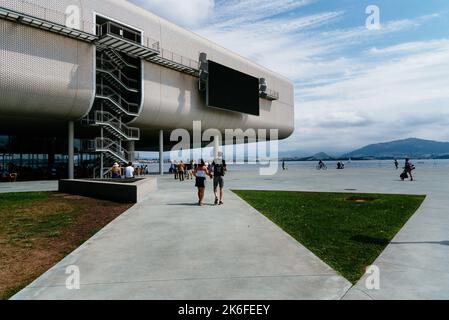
(349, 91)
(188, 13)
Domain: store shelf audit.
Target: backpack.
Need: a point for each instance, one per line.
(219, 170)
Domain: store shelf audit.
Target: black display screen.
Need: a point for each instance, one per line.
(232, 90)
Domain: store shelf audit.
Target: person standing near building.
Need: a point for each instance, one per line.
(219, 169)
(181, 169)
(129, 171)
(116, 171)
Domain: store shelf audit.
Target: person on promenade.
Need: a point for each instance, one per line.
(409, 167)
(200, 173)
(396, 164)
(283, 165)
(129, 171)
(175, 170)
(188, 169)
(181, 169)
(321, 165)
(192, 167)
(116, 171)
(219, 169)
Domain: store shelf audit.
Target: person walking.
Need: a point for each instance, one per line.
(200, 173)
(409, 167)
(396, 164)
(175, 170)
(181, 169)
(219, 169)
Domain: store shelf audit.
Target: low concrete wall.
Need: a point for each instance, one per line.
(134, 192)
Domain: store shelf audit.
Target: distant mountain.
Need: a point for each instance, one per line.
(413, 147)
(319, 156)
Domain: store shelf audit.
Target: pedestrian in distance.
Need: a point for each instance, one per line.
(181, 169)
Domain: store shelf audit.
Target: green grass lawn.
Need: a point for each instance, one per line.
(347, 231)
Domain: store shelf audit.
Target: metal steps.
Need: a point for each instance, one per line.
(113, 125)
(112, 148)
(116, 102)
(115, 75)
(118, 59)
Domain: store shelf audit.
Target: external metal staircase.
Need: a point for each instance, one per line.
(117, 58)
(116, 102)
(113, 125)
(115, 75)
(114, 151)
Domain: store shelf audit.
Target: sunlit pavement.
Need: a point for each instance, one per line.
(168, 248)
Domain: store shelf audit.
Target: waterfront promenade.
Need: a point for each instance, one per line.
(168, 248)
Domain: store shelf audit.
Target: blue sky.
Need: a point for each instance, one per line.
(353, 86)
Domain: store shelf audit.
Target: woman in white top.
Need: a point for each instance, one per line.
(200, 173)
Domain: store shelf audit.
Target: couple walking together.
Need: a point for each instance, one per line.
(217, 173)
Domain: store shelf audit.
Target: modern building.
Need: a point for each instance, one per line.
(84, 83)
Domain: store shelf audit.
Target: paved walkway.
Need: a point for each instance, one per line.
(33, 186)
(166, 248)
(169, 248)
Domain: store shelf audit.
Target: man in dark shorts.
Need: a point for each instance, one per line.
(219, 170)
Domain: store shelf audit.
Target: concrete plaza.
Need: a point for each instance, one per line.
(168, 248)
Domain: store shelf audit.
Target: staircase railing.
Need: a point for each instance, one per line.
(105, 65)
(107, 118)
(114, 55)
(108, 145)
(108, 92)
(123, 32)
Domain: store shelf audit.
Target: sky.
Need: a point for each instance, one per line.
(354, 85)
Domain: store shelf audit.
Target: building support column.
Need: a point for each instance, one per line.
(161, 152)
(216, 147)
(132, 151)
(71, 152)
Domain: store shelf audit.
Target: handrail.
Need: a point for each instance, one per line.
(117, 73)
(126, 63)
(113, 147)
(179, 59)
(109, 118)
(126, 33)
(41, 12)
(108, 92)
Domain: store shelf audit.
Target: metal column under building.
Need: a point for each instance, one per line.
(161, 152)
(71, 153)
